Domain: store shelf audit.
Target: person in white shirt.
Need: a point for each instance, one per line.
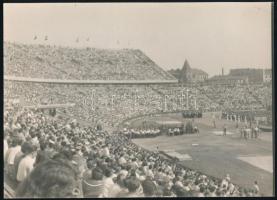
(13, 151)
(108, 183)
(26, 164)
(149, 172)
(105, 151)
(16, 148)
(122, 160)
(201, 192)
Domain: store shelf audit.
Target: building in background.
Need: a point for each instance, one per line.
(254, 75)
(242, 76)
(188, 74)
(227, 80)
(267, 75)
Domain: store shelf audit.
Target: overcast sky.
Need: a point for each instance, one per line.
(209, 35)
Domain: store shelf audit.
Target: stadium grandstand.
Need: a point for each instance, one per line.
(93, 91)
(51, 62)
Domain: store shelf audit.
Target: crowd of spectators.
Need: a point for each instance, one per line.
(179, 98)
(108, 105)
(52, 62)
(111, 104)
(50, 159)
(239, 97)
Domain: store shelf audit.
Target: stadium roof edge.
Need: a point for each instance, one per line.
(59, 81)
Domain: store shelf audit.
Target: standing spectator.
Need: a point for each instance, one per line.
(25, 148)
(214, 125)
(224, 130)
(256, 188)
(16, 148)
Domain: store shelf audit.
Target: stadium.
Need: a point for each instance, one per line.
(127, 128)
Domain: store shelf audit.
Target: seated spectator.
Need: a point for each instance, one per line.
(108, 182)
(201, 192)
(134, 187)
(212, 191)
(79, 160)
(119, 187)
(93, 186)
(149, 188)
(167, 192)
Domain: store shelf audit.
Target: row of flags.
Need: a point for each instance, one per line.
(46, 38)
(77, 40)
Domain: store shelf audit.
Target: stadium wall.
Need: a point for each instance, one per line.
(98, 82)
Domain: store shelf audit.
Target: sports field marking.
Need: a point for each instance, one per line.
(178, 155)
(262, 162)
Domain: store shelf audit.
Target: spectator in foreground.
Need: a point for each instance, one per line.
(52, 179)
(26, 148)
(26, 165)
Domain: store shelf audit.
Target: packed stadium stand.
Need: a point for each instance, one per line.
(50, 62)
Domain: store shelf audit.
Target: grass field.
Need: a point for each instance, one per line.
(216, 155)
